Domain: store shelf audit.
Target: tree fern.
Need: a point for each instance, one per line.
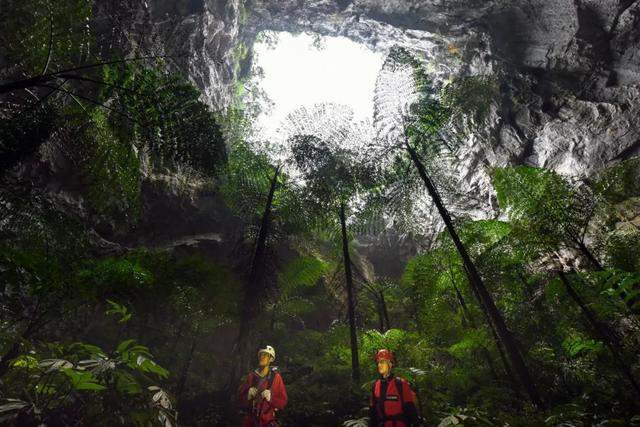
(422, 140)
(406, 107)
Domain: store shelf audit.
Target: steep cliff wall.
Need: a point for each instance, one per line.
(569, 70)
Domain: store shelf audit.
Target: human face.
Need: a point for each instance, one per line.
(384, 367)
(264, 359)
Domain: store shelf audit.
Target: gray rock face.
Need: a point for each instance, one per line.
(206, 32)
(568, 70)
(198, 36)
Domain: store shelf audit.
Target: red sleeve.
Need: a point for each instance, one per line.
(372, 398)
(243, 390)
(278, 392)
(408, 394)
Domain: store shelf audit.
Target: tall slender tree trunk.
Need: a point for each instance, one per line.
(584, 250)
(485, 299)
(385, 312)
(601, 332)
(355, 363)
(380, 319)
(254, 291)
(187, 365)
(503, 357)
(472, 323)
(554, 339)
(176, 340)
(590, 256)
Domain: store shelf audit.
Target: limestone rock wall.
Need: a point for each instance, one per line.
(569, 70)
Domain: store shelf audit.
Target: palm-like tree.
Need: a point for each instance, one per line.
(327, 146)
(411, 125)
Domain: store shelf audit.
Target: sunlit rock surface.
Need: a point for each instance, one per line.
(568, 70)
(196, 37)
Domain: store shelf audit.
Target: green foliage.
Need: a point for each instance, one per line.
(471, 96)
(620, 182)
(622, 249)
(38, 32)
(577, 346)
(360, 422)
(164, 113)
(240, 57)
(466, 417)
(621, 284)
(54, 296)
(303, 272)
(545, 206)
(373, 340)
(412, 115)
(115, 276)
(427, 113)
(245, 183)
(332, 174)
(31, 222)
(119, 310)
(55, 378)
(112, 171)
(520, 189)
(55, 286)
(473, 341)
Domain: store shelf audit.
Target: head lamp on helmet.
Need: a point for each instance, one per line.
(268, 350)
(384, 354)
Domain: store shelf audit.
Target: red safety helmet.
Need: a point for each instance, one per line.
(384, 354)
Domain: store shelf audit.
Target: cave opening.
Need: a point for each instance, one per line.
(304, 69)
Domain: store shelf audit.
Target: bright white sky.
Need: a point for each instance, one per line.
(296, 73)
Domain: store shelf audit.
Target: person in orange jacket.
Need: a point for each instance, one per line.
(393, 402)
(263, 392)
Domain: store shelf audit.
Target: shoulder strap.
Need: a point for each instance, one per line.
(400, 387)
(379, 400)
(272, 374)
(376, 386)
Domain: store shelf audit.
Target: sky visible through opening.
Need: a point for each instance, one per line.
(297, 73)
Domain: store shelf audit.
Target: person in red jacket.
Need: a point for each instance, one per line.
(393, 402)
(263, 392)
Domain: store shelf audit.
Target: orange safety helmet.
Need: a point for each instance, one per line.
(384, 354)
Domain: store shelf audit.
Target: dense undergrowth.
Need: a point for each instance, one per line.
(120, 335)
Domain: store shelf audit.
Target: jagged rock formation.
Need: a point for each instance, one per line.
(199, 36)
(568, 70)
